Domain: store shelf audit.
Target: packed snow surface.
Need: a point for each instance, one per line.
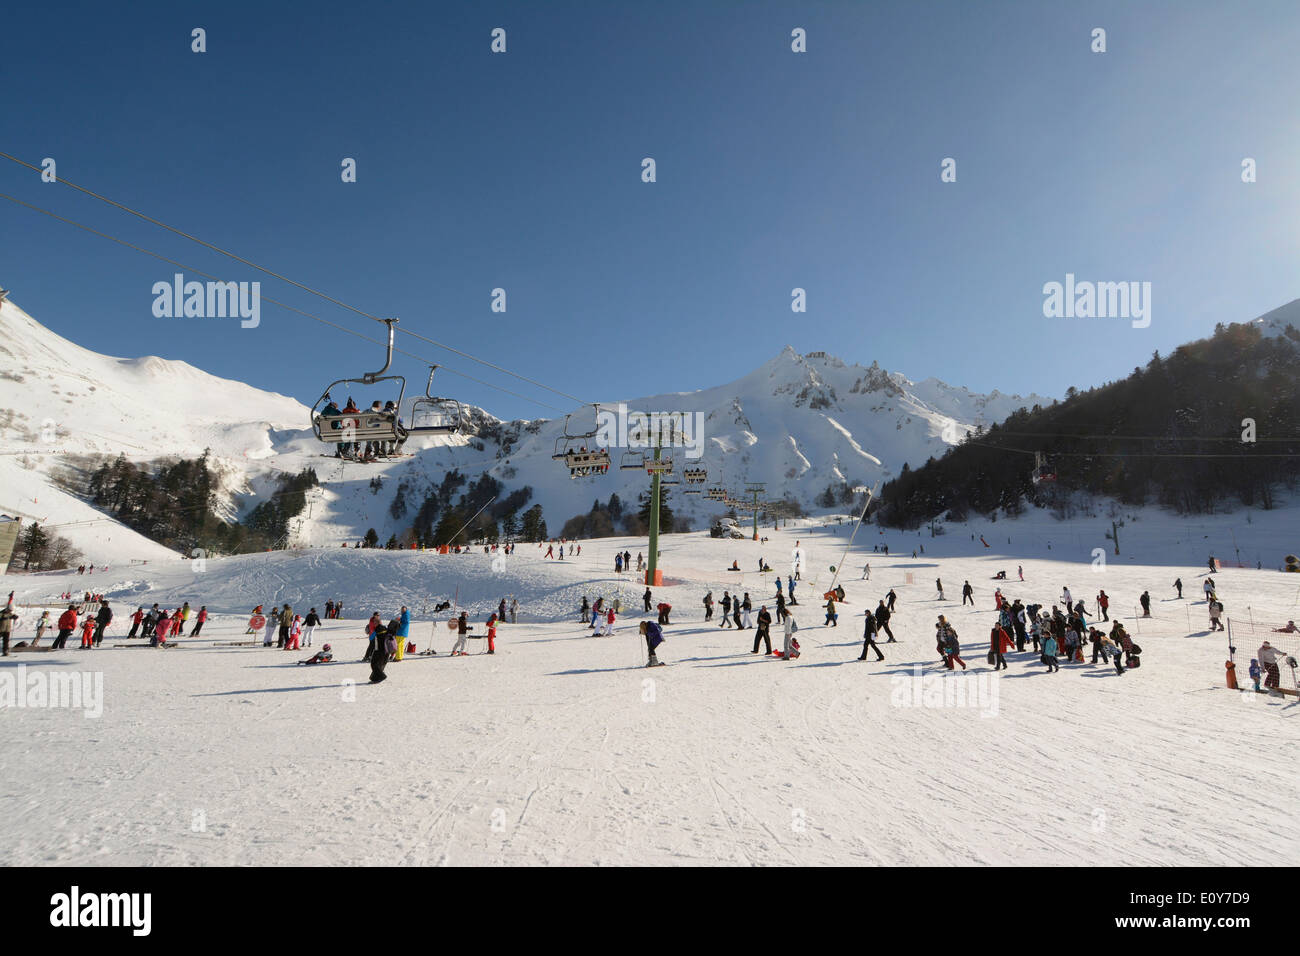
(563, 749)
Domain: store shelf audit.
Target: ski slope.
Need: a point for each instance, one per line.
(562, 749)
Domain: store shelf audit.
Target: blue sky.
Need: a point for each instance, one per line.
(775, 170)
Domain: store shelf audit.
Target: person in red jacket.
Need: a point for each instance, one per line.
(88, 632)
(1103, 602)
(160, 629)
(999, 643)
(491, 634)
(198, 625)
(67, 624)
(136, 618)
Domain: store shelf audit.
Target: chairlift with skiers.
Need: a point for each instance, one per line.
(1044, 470)
(581, 460)
(336, 426)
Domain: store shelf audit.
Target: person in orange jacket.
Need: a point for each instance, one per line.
(67, 624)
(999, 643)
(88, 632)
(492, 634)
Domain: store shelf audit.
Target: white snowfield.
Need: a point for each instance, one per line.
(562, 749)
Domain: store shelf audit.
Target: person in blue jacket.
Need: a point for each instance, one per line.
(789, 586)
(654, 636)
(1049, 653)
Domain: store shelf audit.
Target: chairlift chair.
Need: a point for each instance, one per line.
(662, 465)
(365, 425)
(432, 415)
(695, 476)
(631, 461)
(1043, 469)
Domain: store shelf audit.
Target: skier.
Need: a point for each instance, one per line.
(781, 612)
(1255, 673)
(67, 624)
(584, 610)
(938, 583)
(136, 618)
(324, 656)
(162, 625)
(550, 551)
(203, 616)
(609, 623)
(462, 635)
(653, 638)
(1145, 601)
(726, 610)
(1103, 604)
(41, 627)
(1021, 571)
(789, 587)
(869, 638)
(664, 609)
(184, 616)
(597, 610)
(832, 618)
(492, 632)
(645, 599)
(763, 632)
(308, 626)
(866, 573)
(88, 633)
(967, 594)
(1178, 586)
(295, 634)
(891, 597)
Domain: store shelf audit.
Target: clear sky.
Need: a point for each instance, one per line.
(775, 170)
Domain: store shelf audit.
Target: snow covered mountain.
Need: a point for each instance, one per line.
(798, 423)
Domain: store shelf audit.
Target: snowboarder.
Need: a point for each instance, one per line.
(869, 638)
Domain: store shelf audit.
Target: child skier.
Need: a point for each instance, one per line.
(462, 635)
(324, 656)
(492, 633)
(609, 623)
(1255, 673)
(88, 632)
